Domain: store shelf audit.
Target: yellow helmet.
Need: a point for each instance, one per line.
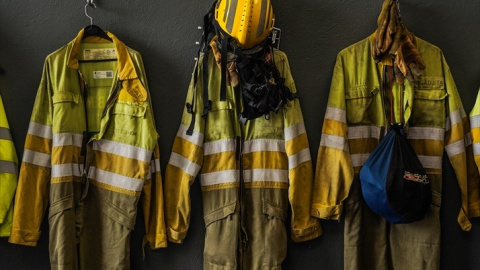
(248, 21)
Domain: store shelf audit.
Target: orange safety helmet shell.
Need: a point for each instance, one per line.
(248, 21)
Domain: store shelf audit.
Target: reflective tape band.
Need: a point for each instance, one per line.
(475, 121)
(363, 132)
(40, 130)
(299, 158)
(468, 139)
(231, 15)
(69, 169)
(8, 167)
(219, 146)
(294, 131)
(115, 180)
(476, 149)
(196, 138)
(333, 141)
(359, 160)
(221, 177)
(336, 114)
(455, 148)
(454, 118)
(265, 175)
(431, 162)
(183, 163)
(264, 145)
(263, 19)
(124, 150)
(36, 158)
(155, 165)
(67, 139)
(426, 133)
(5, 134)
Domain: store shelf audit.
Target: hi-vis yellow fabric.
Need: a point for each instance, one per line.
(357, 118)
(91, 151)
(248, 174)
(8, 173)
(475, 126)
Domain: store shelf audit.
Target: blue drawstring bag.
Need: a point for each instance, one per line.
(394, 183)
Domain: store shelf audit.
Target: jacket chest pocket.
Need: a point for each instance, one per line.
(428, 108)
(359, 105)
(220, 121)
(128, 118)
(66, 110)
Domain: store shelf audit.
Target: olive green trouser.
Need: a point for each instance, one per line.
(372, 243)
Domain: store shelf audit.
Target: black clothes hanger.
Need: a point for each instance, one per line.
(93, 30)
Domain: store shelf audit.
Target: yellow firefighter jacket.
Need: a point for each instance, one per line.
(248, 175)
(90, 153)
(8, 174)
(475, 125)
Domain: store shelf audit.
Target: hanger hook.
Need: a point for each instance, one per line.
(90, 3)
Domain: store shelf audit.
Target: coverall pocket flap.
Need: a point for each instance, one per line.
(360, 92)
(131, 109)
(65, 96)
(220, 213)
(118, 215)
(431, 94)
(274, 211)
(218, 105)
(60, 206)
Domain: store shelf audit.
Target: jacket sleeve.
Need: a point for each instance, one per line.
(334, 172)
(153, 208)
(185, 162)
(31, 198)
(458, 145)
(300, 173)
(8, 166)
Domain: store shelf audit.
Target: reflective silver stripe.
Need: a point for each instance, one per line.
(336, 114)
(455, 118)
(426, 133)
(5, 134)
(265, 175)
(232, 10)
(468, 139)
(263, 14)
(115, 180)
(40, 130)
(475, 121)
(186, 165)
(218, 146)
(61, 170)
(299, 158)
(431, 162)
(455, 148)
(264, 145)
(294, 131)
(476, 149)
(221, 177)
(65, 139)
(124, 150)
(333, 141)
(196, 138)
(225, 13)
(36, 158)
(363, 132)
(8, 167)
(359, 159)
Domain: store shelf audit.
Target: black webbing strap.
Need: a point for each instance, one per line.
(190, 105)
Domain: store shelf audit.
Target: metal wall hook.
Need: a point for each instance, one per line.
(89, 3)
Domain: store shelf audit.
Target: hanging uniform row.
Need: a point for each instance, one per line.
(91, 153)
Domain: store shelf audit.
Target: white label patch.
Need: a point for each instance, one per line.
(104, 74)
(100, 54)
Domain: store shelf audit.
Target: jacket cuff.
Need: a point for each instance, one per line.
(176, 237)
(474, 210)
(24, 238)
(160, 241)
(327, 212)
(463, 221)
(309, 233)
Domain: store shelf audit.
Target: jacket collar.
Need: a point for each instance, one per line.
(126, 69)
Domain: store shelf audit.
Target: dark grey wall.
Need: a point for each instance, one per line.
(165, 31)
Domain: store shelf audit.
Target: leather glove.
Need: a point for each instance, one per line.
(232, 74)
(387, 26)
(407, 58)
